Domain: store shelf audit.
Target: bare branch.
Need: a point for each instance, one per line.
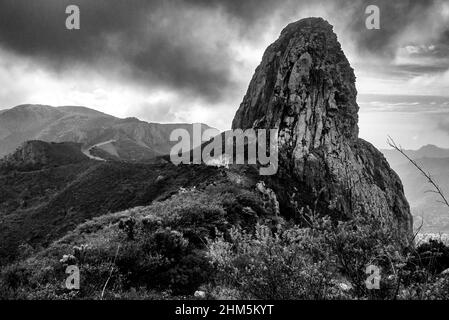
(424, 173)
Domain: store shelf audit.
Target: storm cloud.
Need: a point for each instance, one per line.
(183, 44)
(149, 41)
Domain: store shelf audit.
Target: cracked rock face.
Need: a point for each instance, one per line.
(305, 87)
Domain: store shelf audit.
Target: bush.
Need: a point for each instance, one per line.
(327, 260)
(433, 255)
(272, 264)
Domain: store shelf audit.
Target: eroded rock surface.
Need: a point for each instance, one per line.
(305, 87)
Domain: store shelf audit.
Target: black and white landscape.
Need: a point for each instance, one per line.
(97, 96)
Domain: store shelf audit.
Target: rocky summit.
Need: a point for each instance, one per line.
(305, 88)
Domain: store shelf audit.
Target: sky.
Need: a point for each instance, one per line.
(192, 60)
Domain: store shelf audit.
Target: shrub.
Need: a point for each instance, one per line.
(433, 255)
(271, 264)
(326, 260)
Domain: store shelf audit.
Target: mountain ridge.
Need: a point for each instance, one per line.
(86, 126)
(39, 154)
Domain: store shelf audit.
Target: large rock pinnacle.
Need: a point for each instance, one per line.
(305, 87)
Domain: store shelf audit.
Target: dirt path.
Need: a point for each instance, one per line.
(87, 151)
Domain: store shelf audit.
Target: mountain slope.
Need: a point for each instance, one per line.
(137, 140)
(39, 154)
(41, 203)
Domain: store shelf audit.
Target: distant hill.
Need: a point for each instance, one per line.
(427, 151)
(39, 154)
(125, 139)
(425, 205)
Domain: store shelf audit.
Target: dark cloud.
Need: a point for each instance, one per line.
(116, 33)
(156, 43)
(248, 11)
(395, 18)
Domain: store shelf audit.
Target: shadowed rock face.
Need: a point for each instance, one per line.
(305, 87)
(39, 154)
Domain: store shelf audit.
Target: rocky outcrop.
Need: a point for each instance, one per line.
(305, 87)
(40, 154)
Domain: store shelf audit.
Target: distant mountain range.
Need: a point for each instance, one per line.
(425, 205)
(101, 135)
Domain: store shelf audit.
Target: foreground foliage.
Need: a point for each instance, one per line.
(230, 242)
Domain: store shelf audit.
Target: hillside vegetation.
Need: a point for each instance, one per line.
(159, 231)
(226, 240)
(39, 203)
